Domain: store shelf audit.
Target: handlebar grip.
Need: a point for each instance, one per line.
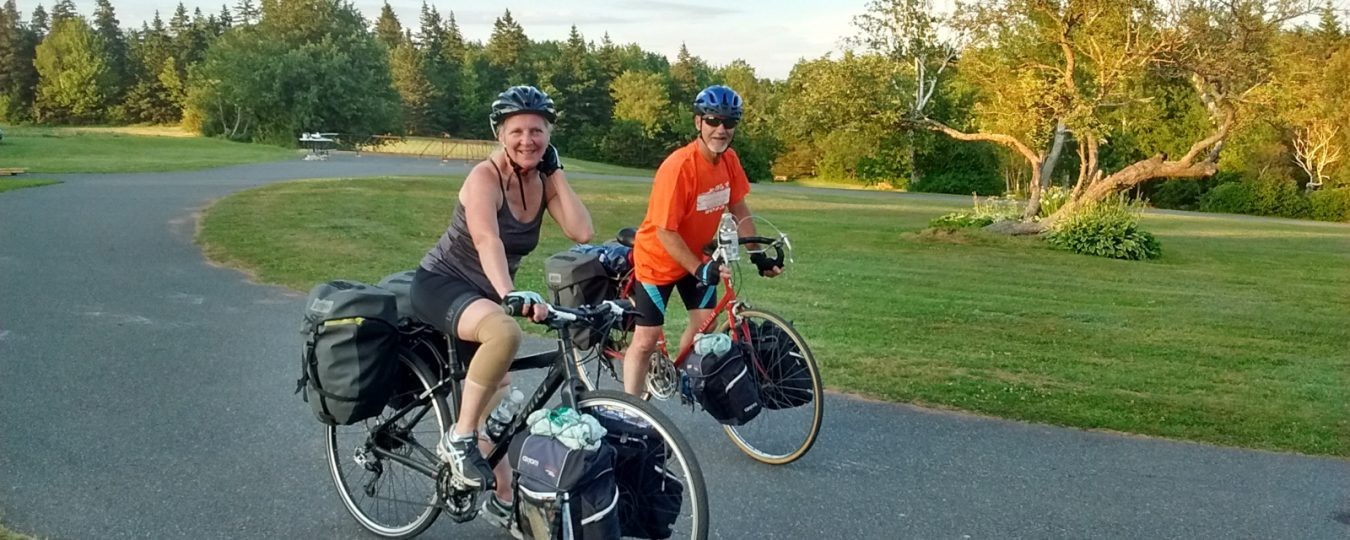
(513, 307)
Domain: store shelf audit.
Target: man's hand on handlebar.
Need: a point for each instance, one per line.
(768, 267)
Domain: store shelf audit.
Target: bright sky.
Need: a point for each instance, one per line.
(769, 34)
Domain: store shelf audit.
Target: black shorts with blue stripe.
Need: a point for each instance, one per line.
(650, 300)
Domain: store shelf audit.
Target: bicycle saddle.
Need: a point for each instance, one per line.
(626, 236)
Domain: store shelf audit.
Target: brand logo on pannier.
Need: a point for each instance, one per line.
(555, 278)
(321, 306)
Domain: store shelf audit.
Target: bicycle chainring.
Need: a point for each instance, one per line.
(461, 502)
(662, 378)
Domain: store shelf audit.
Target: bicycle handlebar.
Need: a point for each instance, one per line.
(559, 317)
(782, 247)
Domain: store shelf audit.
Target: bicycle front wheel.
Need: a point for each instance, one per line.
(790, 390)
(385, 467)
(681, 466)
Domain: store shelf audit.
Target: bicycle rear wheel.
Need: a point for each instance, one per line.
(692, 519)
(385, 471)
(790, 390)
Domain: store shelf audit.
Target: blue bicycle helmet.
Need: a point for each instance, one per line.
(718, 100)
(521, 100)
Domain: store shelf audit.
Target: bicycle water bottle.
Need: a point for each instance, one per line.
(727, 235)
(502, 415)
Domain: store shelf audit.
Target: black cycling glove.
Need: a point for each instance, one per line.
(763, 262)
(709, 272)
(550, 163)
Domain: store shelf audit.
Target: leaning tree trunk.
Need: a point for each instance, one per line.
(1190, 165)
(1047, 171)
(1035, 160)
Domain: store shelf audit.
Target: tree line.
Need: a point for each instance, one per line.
(1093, 96)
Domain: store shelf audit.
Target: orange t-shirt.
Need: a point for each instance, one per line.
(688, 197)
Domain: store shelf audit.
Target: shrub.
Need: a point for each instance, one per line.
(1052, 199)
(992, 210)
(1330, 204)
(960, 220)
(960, 183)
(1178, 194)
(1230, 198)
(1105, 229)
(1280, 197)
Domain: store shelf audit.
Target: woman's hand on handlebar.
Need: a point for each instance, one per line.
(526, 304)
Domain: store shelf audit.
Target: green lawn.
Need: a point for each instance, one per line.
(72, 150)
(472, 150)
(6, 534)
(1236, 336)
(593, 167)
(8, 183)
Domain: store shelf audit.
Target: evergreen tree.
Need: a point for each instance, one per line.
(150, 99)
(415, 91)
(115, 44)
(246, 13)
(40, 24)
(582, 95)
(62, 10)
(387, 27)
(506, 54)
(439, 74)
(17, 73)
(225, 19)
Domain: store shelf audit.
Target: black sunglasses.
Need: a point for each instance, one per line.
(715, 121)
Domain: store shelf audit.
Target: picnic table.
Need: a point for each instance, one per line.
(318, 144)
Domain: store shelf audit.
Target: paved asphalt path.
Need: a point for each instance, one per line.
(147, 394)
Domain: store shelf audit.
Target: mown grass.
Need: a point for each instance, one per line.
(474, 150)
(6, 534)
(86, 150)
(1237, 335)
(9, 183)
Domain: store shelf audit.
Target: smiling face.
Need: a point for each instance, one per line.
(716, 138)
(525, 137)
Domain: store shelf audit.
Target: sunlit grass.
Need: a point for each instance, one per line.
(1237, 335)
(112, 150)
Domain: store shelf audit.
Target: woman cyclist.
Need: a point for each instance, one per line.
(462, 281)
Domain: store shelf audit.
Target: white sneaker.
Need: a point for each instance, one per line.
(501, 515)
(466, 462)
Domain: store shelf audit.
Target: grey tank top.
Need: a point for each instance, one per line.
(456, 256)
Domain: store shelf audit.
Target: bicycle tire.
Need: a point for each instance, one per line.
(596, 372)
(373, 482)
(770, 438)
(693, 521)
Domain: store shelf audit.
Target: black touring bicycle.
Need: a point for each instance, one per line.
(383, 423)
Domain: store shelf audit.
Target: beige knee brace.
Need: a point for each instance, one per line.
(500, 338)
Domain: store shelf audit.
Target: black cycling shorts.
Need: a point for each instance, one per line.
(439, 300)
(650, 300)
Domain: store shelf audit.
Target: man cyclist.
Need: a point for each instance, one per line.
(693, 187)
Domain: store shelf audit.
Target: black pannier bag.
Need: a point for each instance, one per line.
(649, 496)
(405, 384)
(724, 386)
(786, 380)
(578, 279)
(351, 351)
(400, 283)
(564, 493)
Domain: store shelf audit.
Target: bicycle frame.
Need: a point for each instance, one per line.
(562, 370)
(729, 304)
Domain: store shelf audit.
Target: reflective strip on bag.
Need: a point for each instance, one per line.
(341, 322)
